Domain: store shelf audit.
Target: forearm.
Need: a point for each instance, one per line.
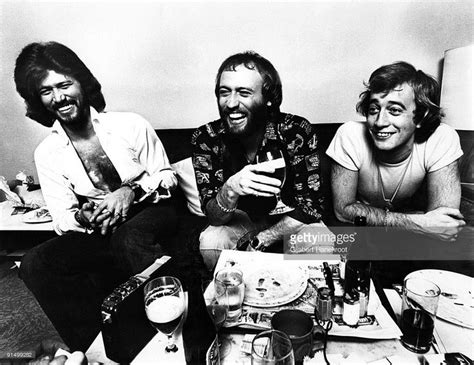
(285, 226)
(221, 208)
(377, 216)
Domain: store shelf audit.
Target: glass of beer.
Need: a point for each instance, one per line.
(271, 152)
(164, 306)
(419, 304)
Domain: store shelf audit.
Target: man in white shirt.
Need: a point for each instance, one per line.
(378, 166)
(399, 170)
(105, 178)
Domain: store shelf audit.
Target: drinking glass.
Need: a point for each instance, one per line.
(217, 304)
(274, 154)
(232, 279)
(272, 347)
(164, 306)
(419, 304)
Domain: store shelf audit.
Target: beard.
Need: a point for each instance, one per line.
(75, 117)
(256, 117)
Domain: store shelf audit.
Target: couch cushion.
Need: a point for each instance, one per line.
(187, 181)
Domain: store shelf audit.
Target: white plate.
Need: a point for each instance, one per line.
(456, 304)
(292, 281)
(40, 215)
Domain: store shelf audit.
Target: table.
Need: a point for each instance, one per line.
(340, 350)
(17, 235)
(9, 222)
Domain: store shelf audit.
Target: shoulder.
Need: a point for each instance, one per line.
(291, 125)
(354, 129)
(48, 148)
(443, 131)
(441, 148)
(444, 137)
(207, 131)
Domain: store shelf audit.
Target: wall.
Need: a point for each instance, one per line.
(160, 58)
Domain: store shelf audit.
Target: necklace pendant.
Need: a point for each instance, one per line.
(388, 206)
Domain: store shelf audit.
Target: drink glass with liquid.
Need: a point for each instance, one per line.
(232, 279)
(419, 304)
(164, 306)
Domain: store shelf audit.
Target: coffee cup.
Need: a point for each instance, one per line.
(301, 330)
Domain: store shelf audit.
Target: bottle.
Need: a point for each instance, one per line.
(351, 308)
(199, 333)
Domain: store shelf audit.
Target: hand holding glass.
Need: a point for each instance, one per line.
(274, 154)
(164, 306)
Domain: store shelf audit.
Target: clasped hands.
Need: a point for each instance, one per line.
(254, 180)
(112, 211)
(443, 222)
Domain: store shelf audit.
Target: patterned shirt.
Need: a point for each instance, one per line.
(217, 155)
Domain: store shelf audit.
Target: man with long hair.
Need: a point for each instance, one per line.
(106, 180)
(237, 190)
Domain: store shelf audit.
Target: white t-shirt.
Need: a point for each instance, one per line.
(351, 147)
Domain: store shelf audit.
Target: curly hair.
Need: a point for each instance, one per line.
(32, 66)
(271, 89)
(428, 113)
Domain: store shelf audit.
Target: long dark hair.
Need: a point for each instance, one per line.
(428, 113)
(32, 66)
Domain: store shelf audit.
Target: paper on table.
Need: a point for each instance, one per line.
(382, 328)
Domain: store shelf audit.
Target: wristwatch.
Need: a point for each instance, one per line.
(254, 242)
(136, 188)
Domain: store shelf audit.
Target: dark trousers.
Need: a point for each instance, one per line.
(70, 275)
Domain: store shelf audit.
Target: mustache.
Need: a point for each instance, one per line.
(60, 104)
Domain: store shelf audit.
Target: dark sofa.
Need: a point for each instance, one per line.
(177, 145)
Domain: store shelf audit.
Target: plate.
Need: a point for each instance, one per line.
(40, 215)
(456, 304)
(273, 286)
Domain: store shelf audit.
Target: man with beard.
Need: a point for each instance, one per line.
(106, 180)
(237, 193)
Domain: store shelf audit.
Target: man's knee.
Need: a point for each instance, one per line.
(30, 268)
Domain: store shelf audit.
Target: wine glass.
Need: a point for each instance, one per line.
(275, 155)
(164, 306)
(216, 298)
(272, 347)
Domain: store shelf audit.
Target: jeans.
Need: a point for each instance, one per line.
(70, 275)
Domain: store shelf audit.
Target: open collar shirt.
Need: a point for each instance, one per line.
(132, 146)
(217, 156)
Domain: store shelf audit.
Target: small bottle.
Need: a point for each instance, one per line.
(324, 304)
(363, 303)
(351, 308)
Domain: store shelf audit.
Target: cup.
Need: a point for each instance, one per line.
(301, 330)
(232, 279)
(419, 304)
(272, 347)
